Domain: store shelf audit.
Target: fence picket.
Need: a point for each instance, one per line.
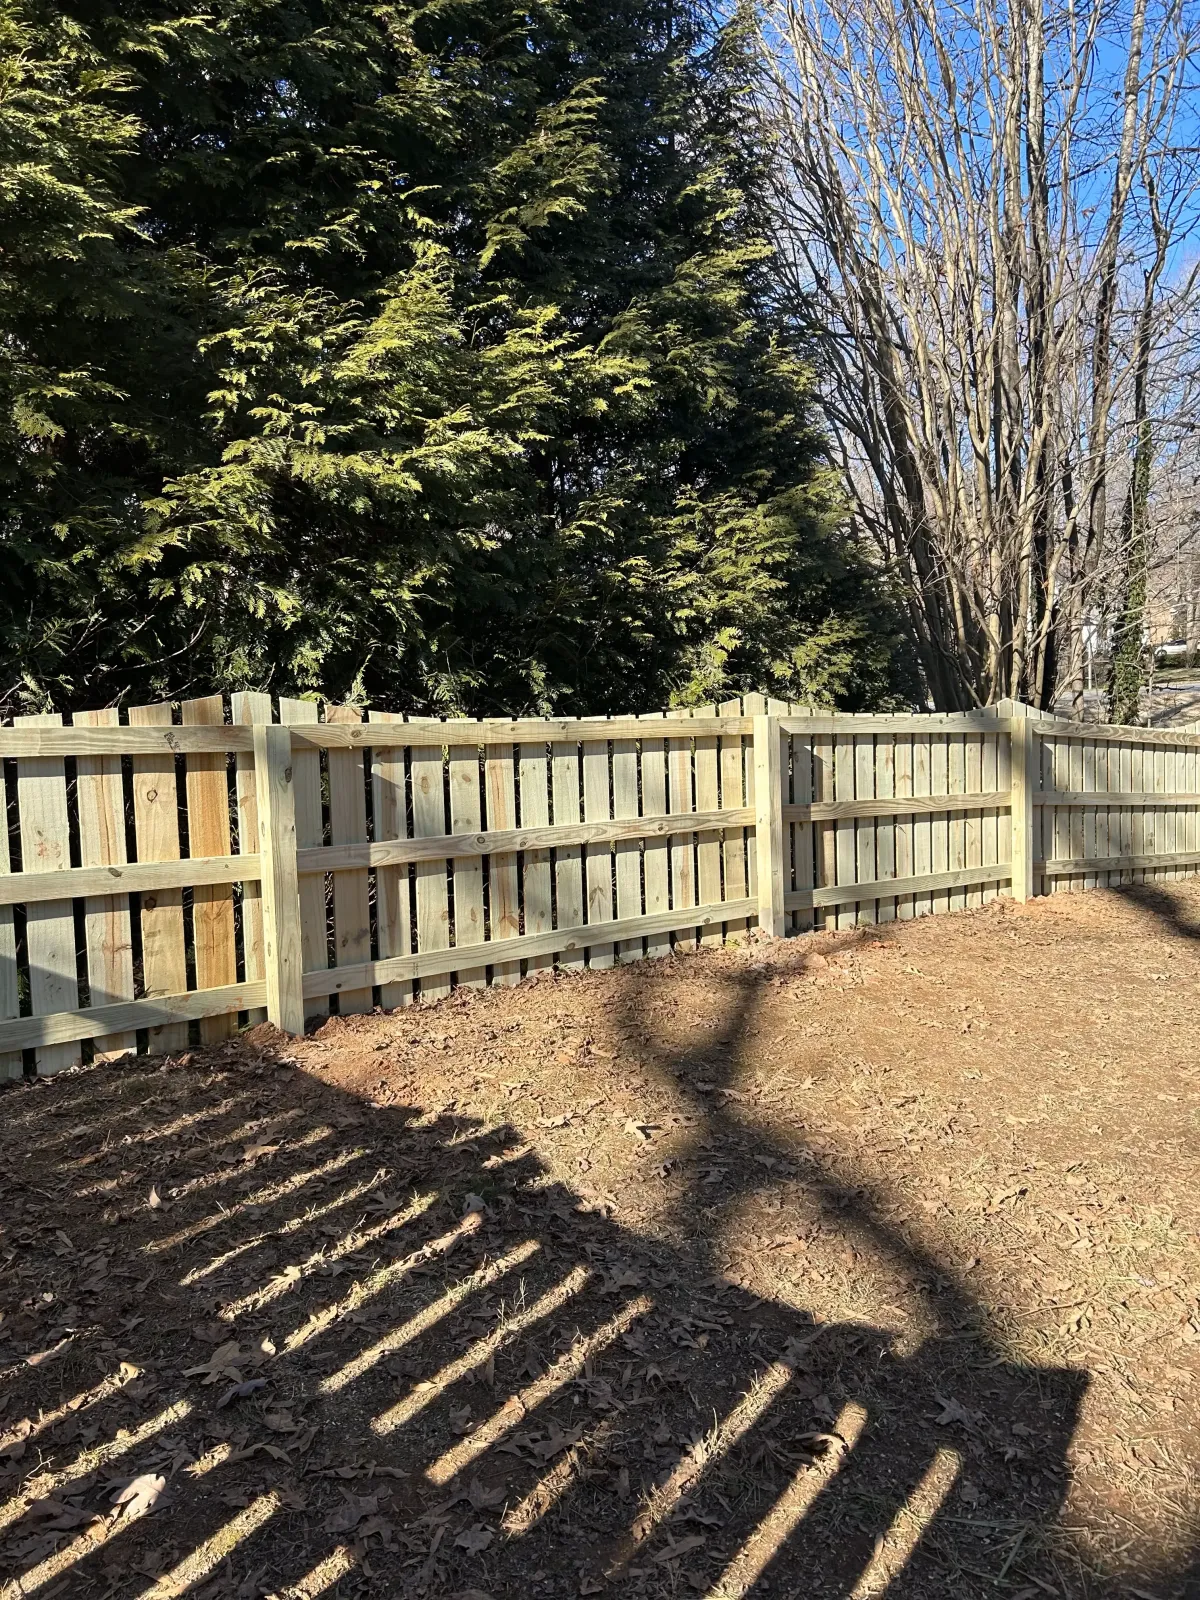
(107, 930)
(49, 925)
(568, 859)
(466, 816)
(598, 857)
(655, 858)
(351, 890)
(733, 774)
(207, 789)
(156, 831)
(504, 895)
(708, 844)
(844, 760)
(885, 828)
(534, 779)
(12, 1064)
(682, 857)
(904, 823)
(866, 831)
(802, 832)
(250, 707)
(629, 851)
(310, 833)
(389, 804)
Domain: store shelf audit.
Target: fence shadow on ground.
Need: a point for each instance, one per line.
(263, 1338)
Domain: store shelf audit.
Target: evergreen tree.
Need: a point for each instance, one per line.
(421, 351)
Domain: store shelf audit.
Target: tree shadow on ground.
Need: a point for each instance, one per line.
(328, 1347)
(1158, 899)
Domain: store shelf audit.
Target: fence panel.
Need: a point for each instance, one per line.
(505, 846)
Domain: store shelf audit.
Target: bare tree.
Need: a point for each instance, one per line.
(983, 205)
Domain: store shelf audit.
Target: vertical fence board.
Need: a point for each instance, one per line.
(534, 776)
(903, 760)
(207, 787)
(939, 783)
(351, 890)
(988, 820)
(885, 831)
(733, 787)
(683, 873)
(802, 832)
(845, 831)
(973, 820)
(922, 831)
(250, 708)
(310, 834)
(108, 934)
(655, 867)
(1137, 813)
(956, 784)
(503, 878)
(1075, 813)
(825, 843)
(753, 705)
(568, 859)
(432, 895)
(467, 871)
(1004, 788)
(598, 857)
(156, 831)
(12, 1065)
(629, 853)
(1089, 812)
(866, 830)
(708, 846)
(389, 802)
(1063, 834)
(50, 924)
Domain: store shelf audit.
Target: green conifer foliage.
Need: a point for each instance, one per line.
(423, 352)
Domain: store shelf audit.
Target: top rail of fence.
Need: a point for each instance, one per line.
(29, 742)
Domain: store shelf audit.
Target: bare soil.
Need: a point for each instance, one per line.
(860, 1263)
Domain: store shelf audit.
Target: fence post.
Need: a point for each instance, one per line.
(768, 825)
(1021, 802)
(280, 877)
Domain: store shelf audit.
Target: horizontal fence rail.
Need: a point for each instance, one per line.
(174, 871)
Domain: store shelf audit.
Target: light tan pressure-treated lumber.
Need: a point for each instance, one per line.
(385, 852)
(565, 941)
(64, 1027)
(1024, 769)
(49, 925)
(310, 831)
(156, 829)
(132, 877)
(1157, 861)
(348, 826)
(207, 788)
(108, 934)
(249, 707)
(282, 944)
(768, 826)
(847, 894)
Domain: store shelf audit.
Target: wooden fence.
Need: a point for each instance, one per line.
(173, 872)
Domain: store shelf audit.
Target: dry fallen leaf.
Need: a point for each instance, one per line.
(475, 1539)
(140, 1495)
(348, 1517)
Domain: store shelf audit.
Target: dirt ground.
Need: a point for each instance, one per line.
(856, 1264)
